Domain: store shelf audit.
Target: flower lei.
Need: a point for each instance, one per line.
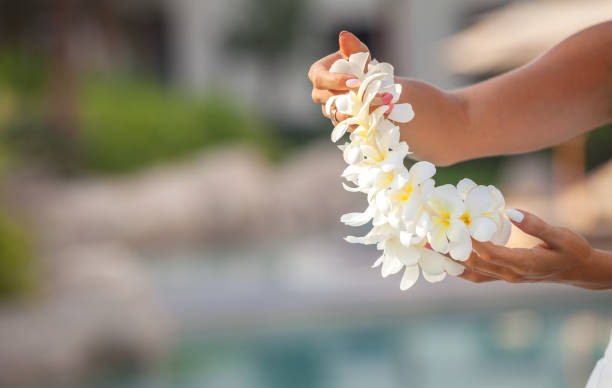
(414, 223)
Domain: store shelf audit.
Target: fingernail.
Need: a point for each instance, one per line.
(391, 106)
(386, 98)
(515, 215)
(353, 82)
(342, 32)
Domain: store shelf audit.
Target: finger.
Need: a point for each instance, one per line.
(477, 264)
(321, 78)
(518, 260)
(476, 277)
(321, 96)
(350, 44)
(339, 116)
(535, 226)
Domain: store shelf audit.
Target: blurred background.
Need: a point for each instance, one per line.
(170, 201)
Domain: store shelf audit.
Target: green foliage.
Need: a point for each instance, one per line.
(16, 259)
(599, 146)
(126, 125)
(21, 71)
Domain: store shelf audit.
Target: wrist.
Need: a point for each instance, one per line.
(597, 270)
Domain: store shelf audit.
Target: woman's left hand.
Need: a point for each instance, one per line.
(563, 257)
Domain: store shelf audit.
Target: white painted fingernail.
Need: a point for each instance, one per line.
(515, 215)
(353, 82)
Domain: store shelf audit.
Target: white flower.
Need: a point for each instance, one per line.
(483, 212)
(405, 208)
(448, 234)
(434, 265)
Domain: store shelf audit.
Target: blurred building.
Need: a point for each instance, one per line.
(252, 50)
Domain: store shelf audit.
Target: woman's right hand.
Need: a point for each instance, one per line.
(326, 84)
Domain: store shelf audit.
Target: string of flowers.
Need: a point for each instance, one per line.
(414, 223)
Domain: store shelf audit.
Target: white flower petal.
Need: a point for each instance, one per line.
(397, 92)
(421, 171)
(412, 208)
(391, 265)
(359, 60)
(339, 130)
(366, 83)
(405, 238)
(358, 219)
(427, 188)
(401, 113)
(341, 66)
(344, 104)
(431, 278)
(368, 177)
(385, 68)
(411, 275)
(478, 201)
(349, 188)
(393, 161)
(437, 238)
(378, 261)
(409, 255)
(464, 186)
(431, 262)
(502, 235)
(330, 101)
(453, 268)
(423, 224)
(383, 203)
(445, 201)
(482, 228)
(498, 198)
(354, 155)
(461, 249)
(457, 230)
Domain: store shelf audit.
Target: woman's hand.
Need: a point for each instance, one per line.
(562, 257)
(327, 84)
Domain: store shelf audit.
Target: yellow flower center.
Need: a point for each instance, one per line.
(466, 218)
(444, 219)
(406, 193)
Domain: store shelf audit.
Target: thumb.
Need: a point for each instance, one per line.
(350, 44)
(535, 226)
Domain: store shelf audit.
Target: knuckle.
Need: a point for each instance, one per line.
(311, 72)
(316, 82)
(565, 233)
(314, 96)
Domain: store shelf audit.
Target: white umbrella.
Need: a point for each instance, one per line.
(513, 35)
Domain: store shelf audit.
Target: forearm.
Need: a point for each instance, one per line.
(596, 274)
(440, 121)
(564, 93)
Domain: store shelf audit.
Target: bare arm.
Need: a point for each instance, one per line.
(564, 93)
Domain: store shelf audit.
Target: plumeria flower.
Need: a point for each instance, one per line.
(483, 212)
(357, 104)
(434, 265)
(449, 233)
(414, 223)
